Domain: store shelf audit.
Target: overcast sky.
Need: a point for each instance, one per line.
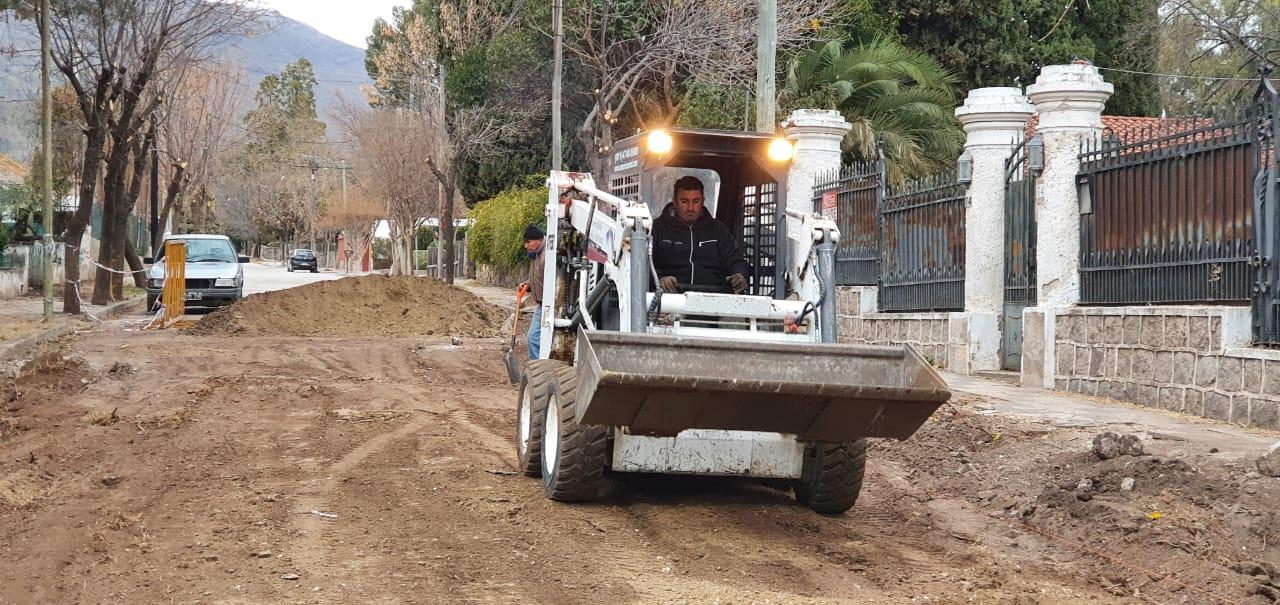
(345, 20)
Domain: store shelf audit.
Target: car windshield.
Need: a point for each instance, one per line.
(209, 251)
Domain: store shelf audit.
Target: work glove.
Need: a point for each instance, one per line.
(737, 282)
(669, 284)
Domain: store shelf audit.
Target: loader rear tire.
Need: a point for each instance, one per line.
(832, 476)
(531, 410)
(573, 454)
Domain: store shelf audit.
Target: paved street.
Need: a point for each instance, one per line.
(265, 278)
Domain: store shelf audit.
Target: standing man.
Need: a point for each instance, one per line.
(690, 247)
(533, 241)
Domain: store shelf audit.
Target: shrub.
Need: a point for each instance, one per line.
(498, 224)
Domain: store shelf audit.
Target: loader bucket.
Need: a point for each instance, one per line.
(661, 385)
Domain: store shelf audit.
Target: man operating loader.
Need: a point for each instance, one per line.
(692, 248)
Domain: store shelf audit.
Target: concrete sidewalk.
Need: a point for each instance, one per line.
(1184, 433)
(22, 325)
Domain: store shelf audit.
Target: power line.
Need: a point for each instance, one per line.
(1151, 73)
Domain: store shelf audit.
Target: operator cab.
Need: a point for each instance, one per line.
(745, 175)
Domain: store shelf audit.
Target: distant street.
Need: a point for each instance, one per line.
(266, 278)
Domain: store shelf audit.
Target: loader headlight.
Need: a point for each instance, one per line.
(781, 150)
(659, 142)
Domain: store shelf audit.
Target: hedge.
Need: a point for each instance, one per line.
(498, 224)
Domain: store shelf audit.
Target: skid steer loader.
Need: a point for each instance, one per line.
(630, 379)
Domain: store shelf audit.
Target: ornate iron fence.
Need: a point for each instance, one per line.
(1265, 129)
(852, 196)
(1167, 217)
(1021, 173)
(923, 233)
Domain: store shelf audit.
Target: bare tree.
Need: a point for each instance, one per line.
(112, 54)
(705, 40)
(392, 145)
(355, 216)
(416, 55)
(195, 132)
(1251, 27)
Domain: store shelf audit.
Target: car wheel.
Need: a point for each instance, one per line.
(315, 270)
(151, 302)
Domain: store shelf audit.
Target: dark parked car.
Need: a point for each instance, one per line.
(303, 259)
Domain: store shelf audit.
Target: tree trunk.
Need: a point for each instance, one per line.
(445, 245)
(74, 234)
(135, 264)
(171, 198)
(111, 250)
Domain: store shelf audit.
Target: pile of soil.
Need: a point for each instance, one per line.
(371, 305)
(1185, 529)
(49, 376)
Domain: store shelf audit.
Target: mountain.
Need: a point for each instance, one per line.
(274, 43)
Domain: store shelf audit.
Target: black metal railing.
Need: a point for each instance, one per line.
(923, 233)
(1265, 130)
(1167, 216)
(852, 196)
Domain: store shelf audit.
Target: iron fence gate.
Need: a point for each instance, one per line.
(1265, 131)
(1167, 216)
(1022, 170)
(852, 196)
(922, 230)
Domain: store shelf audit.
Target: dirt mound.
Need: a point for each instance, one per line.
(372, 305)
(49, 376)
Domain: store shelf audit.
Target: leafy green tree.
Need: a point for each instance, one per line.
(284, 114)
(1006, 42)
(899, 100)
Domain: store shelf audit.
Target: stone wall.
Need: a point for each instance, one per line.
(12, 283)
(927, 333)
(1184, 359)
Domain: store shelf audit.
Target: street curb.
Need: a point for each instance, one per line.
(20, 348)
(119, 308)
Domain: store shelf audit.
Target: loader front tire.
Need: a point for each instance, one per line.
(573, 454)
(531, 409)
(832, 476)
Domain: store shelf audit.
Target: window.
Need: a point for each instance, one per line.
(206, 250)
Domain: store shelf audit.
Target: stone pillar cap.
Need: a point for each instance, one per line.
(1078, 80)
(995, 104)
(818, 119)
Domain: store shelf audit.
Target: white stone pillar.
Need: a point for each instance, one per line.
(994, 121)
(1069, 99)
(818, 134)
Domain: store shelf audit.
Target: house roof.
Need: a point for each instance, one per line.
(11, 171)
(1131, 129)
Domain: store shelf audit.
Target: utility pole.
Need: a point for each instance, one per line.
(557, 16)
(46, 120)
(766, 73)
(155, 190)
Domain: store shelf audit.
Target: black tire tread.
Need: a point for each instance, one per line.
(832, 477)
(580, 476)
(537, 376)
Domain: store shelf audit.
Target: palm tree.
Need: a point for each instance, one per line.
(899, 100)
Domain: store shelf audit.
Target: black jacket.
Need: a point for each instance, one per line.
(701, 254)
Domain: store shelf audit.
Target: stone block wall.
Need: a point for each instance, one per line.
(927, 333)
(1183, 359)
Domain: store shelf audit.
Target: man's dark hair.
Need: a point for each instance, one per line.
(688, 183)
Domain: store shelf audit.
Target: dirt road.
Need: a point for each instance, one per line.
(156, 468)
